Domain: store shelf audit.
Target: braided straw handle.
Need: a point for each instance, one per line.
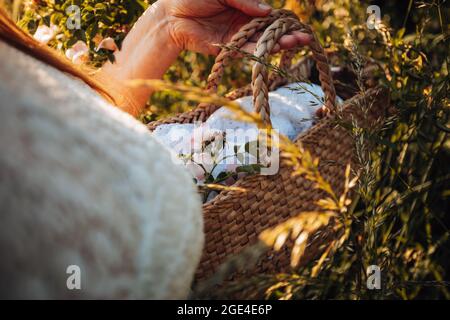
(280, 22)
(238, 41)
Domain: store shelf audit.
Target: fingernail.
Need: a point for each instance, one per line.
(264, 6)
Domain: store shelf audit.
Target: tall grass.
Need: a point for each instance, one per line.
(399, 219)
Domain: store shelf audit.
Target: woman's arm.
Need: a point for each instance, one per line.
(167, 28)
(147, 52)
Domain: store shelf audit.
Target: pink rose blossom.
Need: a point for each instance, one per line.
(204, 134)
(44, 34)
(108, 44)
(79, 53)
(196, 171)
(205, 159)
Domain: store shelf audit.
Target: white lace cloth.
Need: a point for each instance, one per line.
(82, 183)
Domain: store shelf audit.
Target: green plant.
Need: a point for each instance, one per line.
(99, 20)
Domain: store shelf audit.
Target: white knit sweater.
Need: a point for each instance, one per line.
(82, 183)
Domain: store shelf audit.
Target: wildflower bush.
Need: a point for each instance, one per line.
(397, 215)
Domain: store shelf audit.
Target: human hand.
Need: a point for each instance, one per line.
(202, 24)
(170, 26)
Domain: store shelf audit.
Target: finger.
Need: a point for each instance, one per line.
(254, 8)
(303, 39)
(288, 42)
(249, 47)
(276, 48)
(295, 39)
(256, 36)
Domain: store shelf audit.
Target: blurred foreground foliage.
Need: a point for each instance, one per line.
(399, 218)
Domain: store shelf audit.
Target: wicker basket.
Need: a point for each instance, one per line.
(234, 219)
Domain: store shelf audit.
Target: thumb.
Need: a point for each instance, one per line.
(254, 8)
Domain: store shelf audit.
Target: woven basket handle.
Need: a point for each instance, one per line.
(238, 40)
(277, 24)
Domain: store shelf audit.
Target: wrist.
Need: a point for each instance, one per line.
(162, 10)
(147, 52)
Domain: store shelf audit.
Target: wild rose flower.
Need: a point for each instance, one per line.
(79, 53)
(108, 44)
(196, 170)
(44, 33)
(200, 165)
(205, 159)
(203, 134)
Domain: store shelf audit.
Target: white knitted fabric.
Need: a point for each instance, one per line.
(82, 183)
